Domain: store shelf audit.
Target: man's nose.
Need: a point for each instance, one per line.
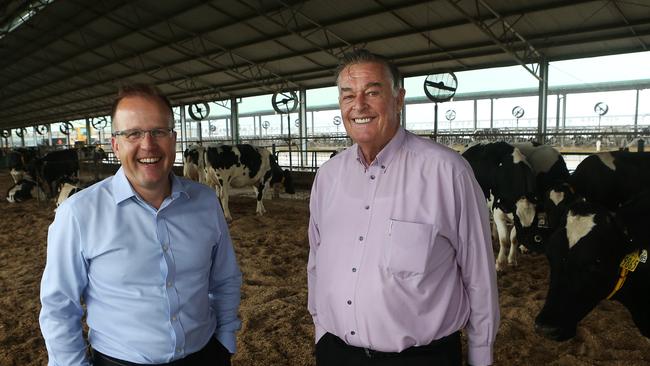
(359, 102)
(147, 139)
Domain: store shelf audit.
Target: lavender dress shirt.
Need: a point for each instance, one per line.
(400, 251)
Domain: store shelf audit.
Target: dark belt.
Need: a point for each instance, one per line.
(433, 347)
(100, 359)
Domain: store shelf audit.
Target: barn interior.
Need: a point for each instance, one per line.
(261, 72)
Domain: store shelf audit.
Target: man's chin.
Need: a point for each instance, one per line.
(150, 181)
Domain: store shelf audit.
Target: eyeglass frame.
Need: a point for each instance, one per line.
(124, 133)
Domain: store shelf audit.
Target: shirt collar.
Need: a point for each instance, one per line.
(123, 190)
(389, 151)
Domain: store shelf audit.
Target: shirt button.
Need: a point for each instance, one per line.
(179, 350)
(354, 269)
(361, 238)
(353, 332)
(383, 167)
(349, 302)
(165, 247)
(367, 207)
(174, 318)
(372, 176)
(169, 284)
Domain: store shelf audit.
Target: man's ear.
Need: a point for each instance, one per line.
(400, 98)
(115, 146)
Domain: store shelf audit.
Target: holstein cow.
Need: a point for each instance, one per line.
(611, 178)
(607, 178)
(556, 204)
(550, 170)
(194, 163)
(68, 188)
(22, 190)
(547, 163)
(19, 160)
(597, 256)
(508, 183)
(56, 166)
(241, 166)
(91, 153)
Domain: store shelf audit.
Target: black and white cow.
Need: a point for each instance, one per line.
(607, 178)
(556, 204)
(194, 163)
(508, 183)
(56, 166)
(19, 160)
(240, 166)
(91, 153)
(587, 260)
(547, 163)
(69, 188)
(611, 178)
(22, 191)
(550, 170)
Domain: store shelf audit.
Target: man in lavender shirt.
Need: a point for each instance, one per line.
(400, 254)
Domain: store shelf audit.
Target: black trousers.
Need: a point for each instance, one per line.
(333, 351)
(213, 354)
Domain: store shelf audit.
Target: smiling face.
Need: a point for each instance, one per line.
(369, 106)
(148, 162)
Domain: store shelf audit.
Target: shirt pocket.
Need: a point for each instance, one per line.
(409, 247)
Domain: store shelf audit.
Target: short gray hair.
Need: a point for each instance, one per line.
(362, 55)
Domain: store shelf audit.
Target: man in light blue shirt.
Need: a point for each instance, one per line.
(147, 253)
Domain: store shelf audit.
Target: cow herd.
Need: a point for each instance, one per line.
(593, 225)
(46, 172)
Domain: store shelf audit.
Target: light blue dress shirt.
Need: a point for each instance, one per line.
(157, 284)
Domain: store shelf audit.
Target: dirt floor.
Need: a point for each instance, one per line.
(272, 252)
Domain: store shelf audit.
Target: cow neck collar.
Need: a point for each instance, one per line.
(386, 155)
(628, 264)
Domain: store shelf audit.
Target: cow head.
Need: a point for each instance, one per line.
(556, 202)
(584, 258)
(525, 218)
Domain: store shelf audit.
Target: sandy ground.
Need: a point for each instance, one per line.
(272, 252)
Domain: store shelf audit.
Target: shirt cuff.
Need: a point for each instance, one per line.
(479, 355)
(228, 340)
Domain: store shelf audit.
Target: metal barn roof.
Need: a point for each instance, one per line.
(64, 59)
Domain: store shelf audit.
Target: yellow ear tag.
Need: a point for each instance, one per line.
(631, 261)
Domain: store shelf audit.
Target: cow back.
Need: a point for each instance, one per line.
(612, 178)
(547, 164)
(502, 170)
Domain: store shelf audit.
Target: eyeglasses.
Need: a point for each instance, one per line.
(136, 134)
